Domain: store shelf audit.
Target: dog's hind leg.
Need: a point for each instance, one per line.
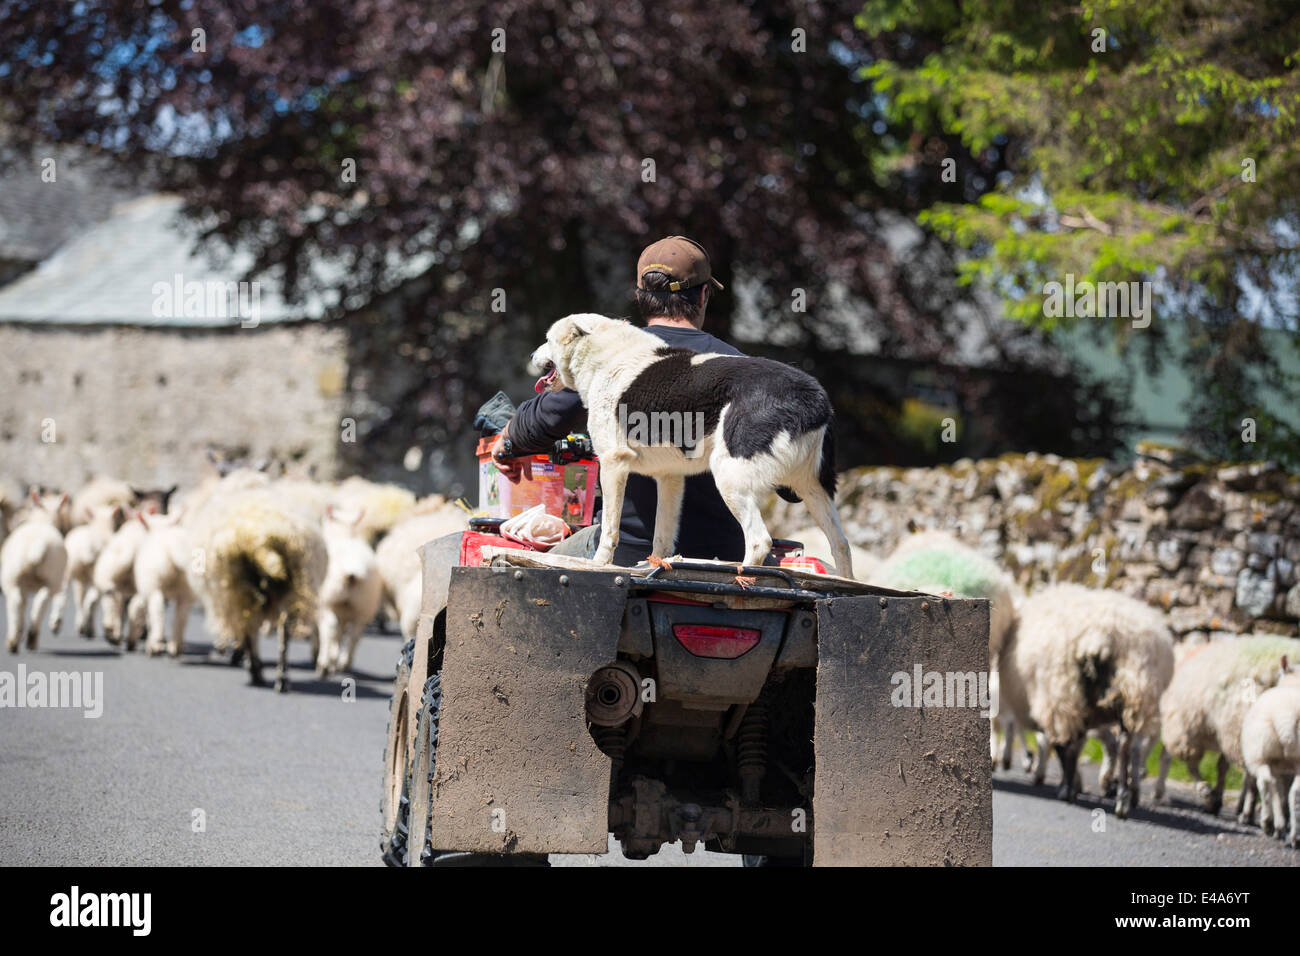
(668, 513)
(822, 508)
(613, 480)
(738, 494)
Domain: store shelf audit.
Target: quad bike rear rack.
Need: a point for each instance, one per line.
(796, 585)
(654, 582)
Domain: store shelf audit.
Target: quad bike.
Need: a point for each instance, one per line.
(547, 702)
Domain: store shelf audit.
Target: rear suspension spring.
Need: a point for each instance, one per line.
(751, 750)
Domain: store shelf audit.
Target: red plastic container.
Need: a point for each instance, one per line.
(566, 491)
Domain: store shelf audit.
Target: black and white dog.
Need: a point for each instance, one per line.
(665, 412)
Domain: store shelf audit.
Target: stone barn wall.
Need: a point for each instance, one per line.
(1215, 546)
(143, 403)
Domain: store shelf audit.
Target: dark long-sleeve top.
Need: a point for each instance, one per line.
(707, 528)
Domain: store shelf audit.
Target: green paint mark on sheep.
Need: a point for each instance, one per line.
(935, 566)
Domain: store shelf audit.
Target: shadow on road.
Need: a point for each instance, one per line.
(1174, 813)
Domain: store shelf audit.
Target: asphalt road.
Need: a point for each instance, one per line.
(189, 765)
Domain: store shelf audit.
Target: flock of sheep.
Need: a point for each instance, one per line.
(1070, 661)
(304, 558)
(319, 561)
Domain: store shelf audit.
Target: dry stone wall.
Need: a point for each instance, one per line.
(1215, 546)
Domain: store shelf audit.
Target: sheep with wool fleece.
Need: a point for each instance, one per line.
(381, 505)
(261, 563)
(101, 492)
(1214, 686)
(45, 507)
(85, 543)
(351, 592)
(1080, 659)
(160, 568)
(32, 561)
(114, 582)
(398, 556)
(1270, 747)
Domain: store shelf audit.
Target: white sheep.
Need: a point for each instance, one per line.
(1079, 659)
(99, 493)
(47, 507)
(351, 592)
(85, 543)
(114, 582)
(310, 497)
(382, 506)
(193, 501)
(399, 557)
(1270, 747)
(32, 561)
(1203, 709)
(260, 562)
(936, 562)
(161, 576)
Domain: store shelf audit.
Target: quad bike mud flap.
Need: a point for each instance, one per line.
(899, 784)
(517, 770)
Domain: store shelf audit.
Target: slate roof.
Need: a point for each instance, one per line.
(110, 274)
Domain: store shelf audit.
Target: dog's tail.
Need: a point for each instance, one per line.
(825, 471)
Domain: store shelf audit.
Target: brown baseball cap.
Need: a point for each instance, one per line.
(683, 260)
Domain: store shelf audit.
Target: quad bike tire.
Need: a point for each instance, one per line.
(395, 805)
(419, 851)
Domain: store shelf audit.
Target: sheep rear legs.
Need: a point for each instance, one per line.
(282, 660)
(180, 619)
(1272, 806)
(39, 606)
(1214, 802)
(1068, 754)
(157, 612)
(16, 611)
(1128, 782)
(1293, 838)
(327, 656)
(248, 650)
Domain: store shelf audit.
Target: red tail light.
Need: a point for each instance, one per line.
(706, 640)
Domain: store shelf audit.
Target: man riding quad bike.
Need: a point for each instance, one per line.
(548, 702)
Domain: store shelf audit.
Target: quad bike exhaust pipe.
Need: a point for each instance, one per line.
(614, 694)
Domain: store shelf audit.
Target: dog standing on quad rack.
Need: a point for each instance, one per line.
(762, 425)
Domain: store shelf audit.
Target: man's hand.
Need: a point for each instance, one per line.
(512, 468)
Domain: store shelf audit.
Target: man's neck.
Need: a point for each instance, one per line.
(676, 322)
